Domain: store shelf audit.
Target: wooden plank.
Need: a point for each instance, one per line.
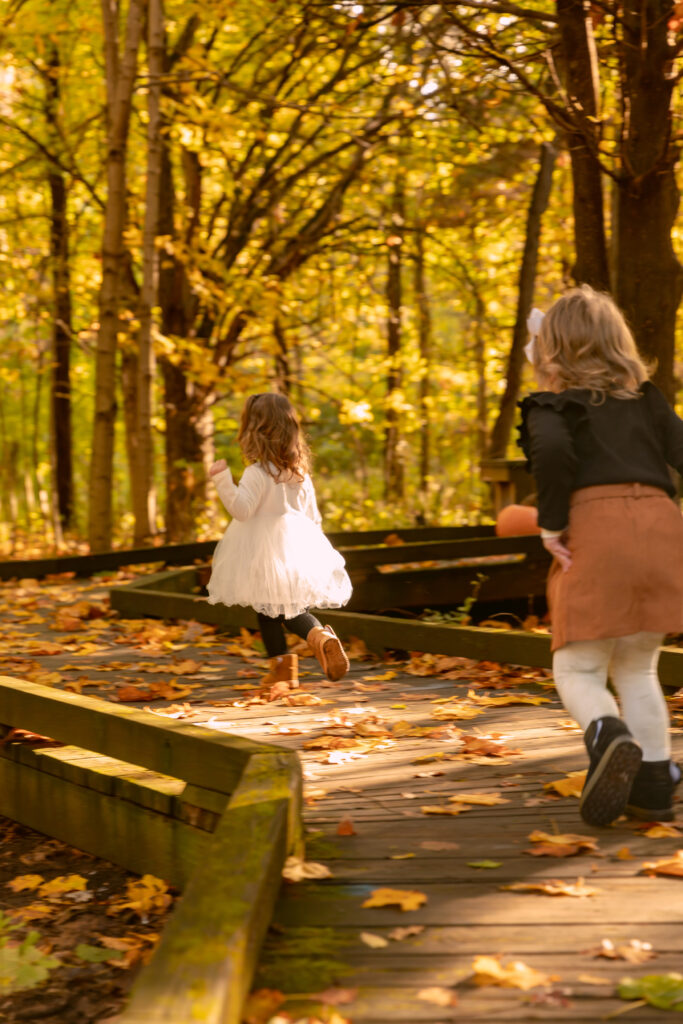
(203, 966)
(204, 757)
(476, 547)
(119, 831)
(185, 554)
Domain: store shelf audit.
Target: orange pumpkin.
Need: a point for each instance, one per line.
(517, 521)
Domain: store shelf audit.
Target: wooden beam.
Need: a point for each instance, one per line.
(203, 966)
(205, 757)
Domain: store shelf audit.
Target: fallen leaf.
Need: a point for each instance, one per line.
(399, 934)
(296, 870)
(661, 831)
(507, 698)
(62, 884)
(563, 845)
(345, 828)
(480, 799)
(335, 996)
(665, 991)
(441, 809)
(373, 941)
(671, 866)
(23, 882)
(484, 863)
(406, 899)
(570, 785)
(438, 995)
(438, 845)
(553, 887)
(634, 951)
(147, 895)
(490, 971)
(261, 1005)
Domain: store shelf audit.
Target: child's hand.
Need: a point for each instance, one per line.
(218, 467)
(558, 550)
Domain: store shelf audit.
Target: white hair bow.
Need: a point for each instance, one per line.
(533, 323)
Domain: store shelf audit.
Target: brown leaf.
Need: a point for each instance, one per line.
(553, 887)
(406, 899)
(564, 845)
(670, 866)
(261, 1005)
(489, 970)
(345, 828)
(438, 995)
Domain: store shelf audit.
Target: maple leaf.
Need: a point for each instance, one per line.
(23, 882)
(147, 895)
(438, 995)
(490, 746)
(480, 799)
(442, 809)
(406, 899)
(32, 912)
(296, 870)
(571, 785)
(508, 698)
(373, 941)
(564, 845)
(345, 828)
(553, 887)
(489, 970)
(62, 884)
(672, 866)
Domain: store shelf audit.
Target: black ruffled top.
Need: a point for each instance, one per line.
(573, 440)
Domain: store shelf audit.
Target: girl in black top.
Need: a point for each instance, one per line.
(600, 439)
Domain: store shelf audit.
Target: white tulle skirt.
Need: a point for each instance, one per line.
(278, 565)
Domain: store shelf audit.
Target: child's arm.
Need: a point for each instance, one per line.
(553, 462)
(241, 500)
(310, 504)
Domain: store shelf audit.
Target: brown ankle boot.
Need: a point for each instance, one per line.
(328, 650)
(283, 669)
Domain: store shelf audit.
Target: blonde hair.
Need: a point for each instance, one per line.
(584, 342)
(270, 433)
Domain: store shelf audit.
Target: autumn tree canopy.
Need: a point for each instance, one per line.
(353, 202)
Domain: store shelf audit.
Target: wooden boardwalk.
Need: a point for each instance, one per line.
(376, 751)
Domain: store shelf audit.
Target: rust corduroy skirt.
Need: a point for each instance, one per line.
(626, 576)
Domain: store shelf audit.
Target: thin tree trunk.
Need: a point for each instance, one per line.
(649, 282)
(142, 475)
(62, 328)
(282, 370)
(424, 333)
(121, 74)
(393, 463)
(581, 82)
(500, 435)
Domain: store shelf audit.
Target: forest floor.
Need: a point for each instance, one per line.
(448, 875)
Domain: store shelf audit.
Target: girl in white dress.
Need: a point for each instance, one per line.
(274, 556)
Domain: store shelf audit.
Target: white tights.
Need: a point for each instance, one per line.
(581, 670)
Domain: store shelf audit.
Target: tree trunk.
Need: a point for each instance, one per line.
(142, 465)
(393, 462)
(500, 435)
(424, 334)
(581, 82)
(62, 330)
(649, 282)
(282, 370)
(120, 82)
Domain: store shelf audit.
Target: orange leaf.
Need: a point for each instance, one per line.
(345, 828)
(406, 899)
(671, 866)
(490, 971)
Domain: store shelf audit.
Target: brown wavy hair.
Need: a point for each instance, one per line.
(270, 433)
(585, 342)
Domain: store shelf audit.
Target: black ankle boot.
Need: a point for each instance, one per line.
(614, 761)
(651, 797)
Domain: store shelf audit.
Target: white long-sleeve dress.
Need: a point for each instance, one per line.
(274, 556)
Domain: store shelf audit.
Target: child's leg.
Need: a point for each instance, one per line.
(634, 674)
(272, 634)
(284, 668)
(580, 671)
(302, 624)
(325, 643)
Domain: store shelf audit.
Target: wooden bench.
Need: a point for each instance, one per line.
(213, 814)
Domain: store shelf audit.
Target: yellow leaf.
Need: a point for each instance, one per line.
(672, 866)
(507, 698)
(65, 883)
(570, 785)
(516, 974)
(148, 895)
(22, 882)
(406, 899)
(661, 831)
(373, 941)
(482, 799)
(439, 809)
(438, 995)
(623, 853)
(553, 887)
